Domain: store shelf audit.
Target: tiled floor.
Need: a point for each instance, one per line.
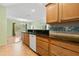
(16, 48)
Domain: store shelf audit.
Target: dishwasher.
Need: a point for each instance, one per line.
(32, 41)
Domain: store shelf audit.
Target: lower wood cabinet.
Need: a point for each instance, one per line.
(42, 51)
(25, 38)
(42, 46)
(56, 50)
(63, 48)
(46, 46)
(65, 44)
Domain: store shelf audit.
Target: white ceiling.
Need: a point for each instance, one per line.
(29, 11)
(8, 4)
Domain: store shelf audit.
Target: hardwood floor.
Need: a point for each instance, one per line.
(16, 49)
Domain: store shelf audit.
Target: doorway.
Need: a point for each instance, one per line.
(13, 29)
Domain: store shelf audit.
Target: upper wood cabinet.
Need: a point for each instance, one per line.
(70, 11)
(59, 12)
(52, 12)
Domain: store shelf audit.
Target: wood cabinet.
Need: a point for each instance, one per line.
(25, 38)
(42, 51)
(59, 51)
(70, 11)
(61, 48)
(59, 12)
(66, 45)
(42, 45)
(52, 12)
(56, 47)
(46, 46)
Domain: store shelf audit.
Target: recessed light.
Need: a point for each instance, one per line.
(33, 10)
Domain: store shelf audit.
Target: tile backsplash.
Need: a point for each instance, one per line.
(65, 27)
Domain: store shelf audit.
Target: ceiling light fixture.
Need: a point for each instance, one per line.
(33, 10)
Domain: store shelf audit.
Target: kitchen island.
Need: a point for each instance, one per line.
(47, 45)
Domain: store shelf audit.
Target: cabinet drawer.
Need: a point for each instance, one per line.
(43, 39)
(42, 44)
(67, 45)
(61, 51)
(42, 51)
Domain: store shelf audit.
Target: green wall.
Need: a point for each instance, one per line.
(19, 27)
(3, 26)
(9, 28)
(6, 26)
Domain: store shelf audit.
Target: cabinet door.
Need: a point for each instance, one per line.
(41, 51)
(63, 48)
(52, 13)
(70, 11)
(26, 38)
(59, 51)
(42, 46)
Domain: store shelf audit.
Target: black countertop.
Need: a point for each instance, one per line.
(43, 32)
(57, 35)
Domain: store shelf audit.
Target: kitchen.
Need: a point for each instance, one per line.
(61, 37)
(47, 29)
